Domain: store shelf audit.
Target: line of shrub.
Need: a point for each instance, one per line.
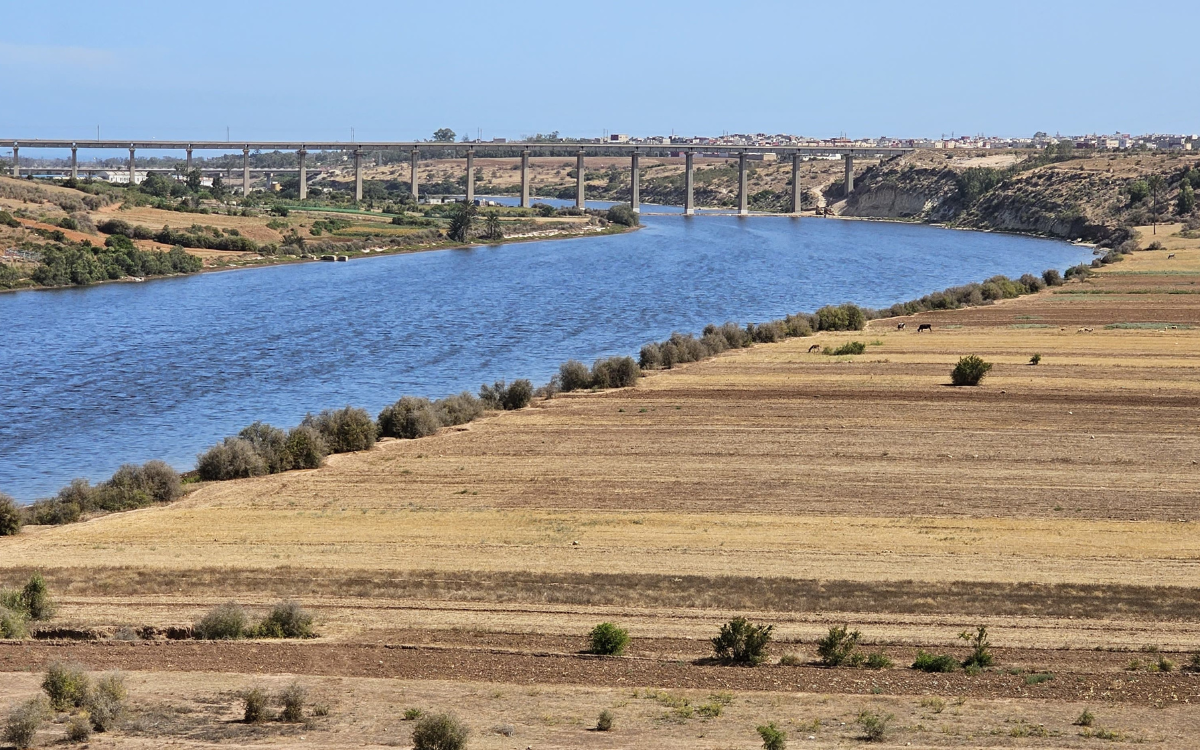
(613, 372)
(131, 486)
(68, 264)
(196, 236)
(230, 622)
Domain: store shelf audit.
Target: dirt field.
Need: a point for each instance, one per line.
(1056, 503)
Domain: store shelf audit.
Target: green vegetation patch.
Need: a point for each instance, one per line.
(1146, 326)
(1030, 325)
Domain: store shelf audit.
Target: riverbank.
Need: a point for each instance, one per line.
(1054, 503)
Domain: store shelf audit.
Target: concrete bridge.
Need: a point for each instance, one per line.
(633, 151)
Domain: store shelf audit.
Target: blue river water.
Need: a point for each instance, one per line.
(95, 377)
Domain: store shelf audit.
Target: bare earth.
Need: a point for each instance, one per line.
(1057, 504)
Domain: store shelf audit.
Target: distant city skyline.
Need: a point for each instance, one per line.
(264, 71)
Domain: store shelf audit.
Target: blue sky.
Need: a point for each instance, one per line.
(398, 70)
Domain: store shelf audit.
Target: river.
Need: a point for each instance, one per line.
(95, 377)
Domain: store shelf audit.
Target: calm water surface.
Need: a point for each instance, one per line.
(96, 377)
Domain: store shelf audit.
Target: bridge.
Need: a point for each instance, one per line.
(797, 153)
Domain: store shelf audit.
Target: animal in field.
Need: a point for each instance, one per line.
(1085, 330)
(900, 326)
(1171, 255)
(925, 327)
(814, 348)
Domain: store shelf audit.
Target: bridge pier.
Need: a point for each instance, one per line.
(246, 170)
(470, 175)
(358, 182)
(743, 199)
(525, 179)
(635, 199)
(74, 163)
(689, 200)
(189, 160)
(849, 158)
(132, 174)
(303, 173)
(797, 195)
(412, 180)
(579, 180)
(16, 168)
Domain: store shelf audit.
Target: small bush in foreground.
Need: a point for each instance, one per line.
(1051, 277)
(927, 662)
(1038, 679)
(24, 722)
(605, 721)
(851, 347)
(790, 660)
(839, 646)
(13, 623)
(35, 598)
(10, 516)
(344, 430)
(232, 458)
(878, 660)
(741, 642)
(66, 685)
(1086, 719)
(1036, 359)
(254, 706)
(440, 732)
(292, 699)
(412, 714)
(608, 639)
(874, 725)
(105, 703)
(969, 370)
(226, 622)
(773, 738)
(79, 728)
(286, 620)
(981, 648)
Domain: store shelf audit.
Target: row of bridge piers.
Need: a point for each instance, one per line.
(580, 177)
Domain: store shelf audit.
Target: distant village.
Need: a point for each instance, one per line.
(1113, 142)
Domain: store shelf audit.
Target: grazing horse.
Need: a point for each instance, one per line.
(925, 327)
(900, 326)
(814, 348)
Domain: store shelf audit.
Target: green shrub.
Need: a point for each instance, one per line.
(306, 448)
(847, 317)
(608, 639)
(1051, 277)
(1086, 719)
(969, 370)
(8, 220)
(605, 721)
(225, 622)
(440, 732)
(981, 649)
(927, 662)
(614, 372)
(270, 443)
(254, 706)
(133, 486)
(741, 642)
(14, 623)
(573, 375)
(773, 738)
(344, 430)
(507, 397)
(105, 702)
(1036, 359)
(622, 214)
(1038, 679)
(66, 685)
(35, 598)
(851, 347)
(839, 646)
(412, 714)
(292, 699)
(10, 516)
(790, 660)
(232, 458)
(874, 725)
(1081, 271)
(286, 620)
(24, 721)
(460, 409)
(878, 660)
(79, 728)
(409, 418)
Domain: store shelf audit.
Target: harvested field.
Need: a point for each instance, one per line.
(1058, 504)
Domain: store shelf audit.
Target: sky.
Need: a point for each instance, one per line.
(400, 70)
